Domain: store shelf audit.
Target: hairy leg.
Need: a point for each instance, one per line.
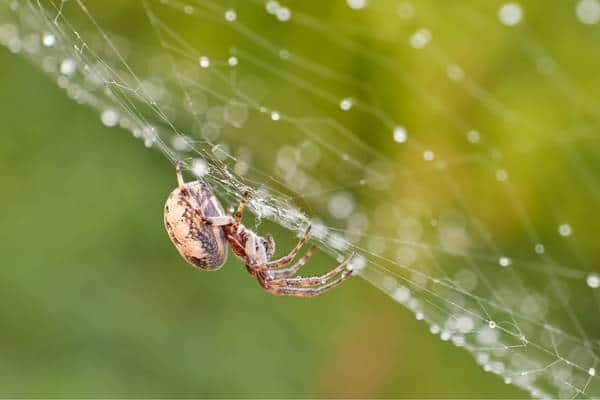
(287, 259)
(306, 291)
(312, 281)
(291, 271)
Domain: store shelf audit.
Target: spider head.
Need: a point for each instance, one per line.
(269, 245)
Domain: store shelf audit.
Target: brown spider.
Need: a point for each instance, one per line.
(200, 230)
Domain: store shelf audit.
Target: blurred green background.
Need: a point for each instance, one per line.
(94, 300)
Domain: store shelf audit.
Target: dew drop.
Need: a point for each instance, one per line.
(68, 66)
(204, 62)
(501, 175)
(400, 135)
(199, 167)
(272, 6)
(593, 280)
(230, 15)
(565, 230)
(275, 116)
(504, 261)
(356, 4)
(420, 38)
(588, 11)
(510, 14)
(346, 104)
(232, 61)
(473, 136)
(539, 248)
(109, 117)
(283, 14)
(48, 39)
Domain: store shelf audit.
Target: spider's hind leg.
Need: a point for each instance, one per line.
(305, 287)
(307, 291)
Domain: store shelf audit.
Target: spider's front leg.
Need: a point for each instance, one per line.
(239, 212)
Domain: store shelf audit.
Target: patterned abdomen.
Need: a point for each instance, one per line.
(201, 245)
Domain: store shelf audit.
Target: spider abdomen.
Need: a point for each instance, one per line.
(204, 246)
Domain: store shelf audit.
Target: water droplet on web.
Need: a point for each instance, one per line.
(199, 167)
(504, 261)
(346, 104)
(180, 143)
(593, 280)
(473, 136)
(420, 38)
(501, 175)
(357, 263)
(356, 4)
(539, 248)
(400, 135)
(487, 336)
(272, 6)
(428, 155)
(284, 54)
(338, 242)
(592, 372)
(510, 14)
(283, 14)
(588, 11)
(465, 324)
(68, 66)
(275, 116)
(232, 61)
(401, 294)
(109, 117)
(230, 15)
(204, 62)
(445, 336)
(48, 39)
(565, 230)
(236, 113)
(341, 205)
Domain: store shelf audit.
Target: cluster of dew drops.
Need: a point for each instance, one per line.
(341, 204)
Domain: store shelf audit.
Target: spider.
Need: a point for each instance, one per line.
(201, 230)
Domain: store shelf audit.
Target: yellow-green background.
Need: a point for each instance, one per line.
(94, 300)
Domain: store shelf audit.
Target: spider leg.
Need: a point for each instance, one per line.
(311, 281)
(291, 271)
(287, 259)
(306, 291)
(180, 181)
(218, 221)
(239, 212)
(238, 249)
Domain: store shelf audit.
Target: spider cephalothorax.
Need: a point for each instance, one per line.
(200, 230)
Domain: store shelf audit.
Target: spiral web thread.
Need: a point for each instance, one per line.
(524, 303)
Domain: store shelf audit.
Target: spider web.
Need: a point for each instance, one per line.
(464, 186)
